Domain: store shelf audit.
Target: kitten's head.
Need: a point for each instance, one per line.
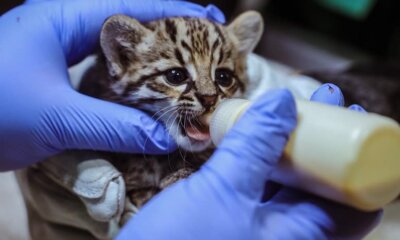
(179, 69)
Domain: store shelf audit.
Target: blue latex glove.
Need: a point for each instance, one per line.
(40, 113)
(224, 199)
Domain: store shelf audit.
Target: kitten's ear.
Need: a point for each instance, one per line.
(247, 28)
(119, 36)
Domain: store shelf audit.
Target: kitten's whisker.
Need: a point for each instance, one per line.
(194, 125)
(180, 152)
(191, 125)
(165, 113)
(198, 121)
(190, 145)
(147, 138)
(176, 133)
(163, 109)
(168, 110)
(170, 130)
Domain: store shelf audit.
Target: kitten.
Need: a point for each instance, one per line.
(177, 70)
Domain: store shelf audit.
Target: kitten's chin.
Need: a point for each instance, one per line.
(191, 145)
(190, 140)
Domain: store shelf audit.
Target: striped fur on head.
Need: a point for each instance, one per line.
(179, 69)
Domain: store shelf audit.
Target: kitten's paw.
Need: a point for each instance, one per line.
(140, 197)
(175, 176)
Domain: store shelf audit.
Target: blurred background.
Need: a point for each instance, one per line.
(353, 43)
(327, 31)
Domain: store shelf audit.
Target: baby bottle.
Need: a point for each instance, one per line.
(343, 155)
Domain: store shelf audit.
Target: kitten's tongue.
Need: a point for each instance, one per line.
(200, 130)
(199, 134)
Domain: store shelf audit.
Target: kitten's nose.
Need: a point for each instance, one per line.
(207, 100)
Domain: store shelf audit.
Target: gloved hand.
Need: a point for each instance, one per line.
(40, 113)
(225, 199)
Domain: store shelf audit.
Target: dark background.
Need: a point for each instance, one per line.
(375, 36)
(300, 31)
(8, 4)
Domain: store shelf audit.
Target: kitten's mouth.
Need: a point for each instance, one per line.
(196, 129)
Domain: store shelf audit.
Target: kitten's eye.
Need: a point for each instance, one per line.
(176, 76)
(224, 77)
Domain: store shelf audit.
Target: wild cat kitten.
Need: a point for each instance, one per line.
(177, 70)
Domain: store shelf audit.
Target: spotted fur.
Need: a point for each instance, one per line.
(138, 57)
(177, 70)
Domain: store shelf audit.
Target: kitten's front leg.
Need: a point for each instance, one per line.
(175, 176)
(139, 197)
(135, 200)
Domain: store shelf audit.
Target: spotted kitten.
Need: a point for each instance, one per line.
(177, 70)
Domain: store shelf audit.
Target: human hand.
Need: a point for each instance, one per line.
(40, 113)
(226, 198)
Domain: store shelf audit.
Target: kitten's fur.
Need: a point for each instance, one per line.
(177, 70)
(139, 58)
